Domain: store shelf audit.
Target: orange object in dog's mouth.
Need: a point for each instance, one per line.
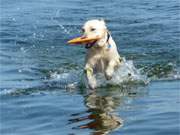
(83, 40)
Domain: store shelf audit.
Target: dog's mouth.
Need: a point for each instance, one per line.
(91, 44)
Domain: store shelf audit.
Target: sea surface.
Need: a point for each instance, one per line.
(41, 83)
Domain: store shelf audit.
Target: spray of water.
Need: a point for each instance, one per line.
(126, 73)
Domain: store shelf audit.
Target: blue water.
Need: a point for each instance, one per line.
(40, 75)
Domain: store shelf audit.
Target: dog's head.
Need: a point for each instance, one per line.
(94, 33)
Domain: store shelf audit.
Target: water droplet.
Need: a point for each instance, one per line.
(34, 35)
(19, 70)
(13, 19)
(22, 48)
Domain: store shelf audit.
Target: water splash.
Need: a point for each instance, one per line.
(126, 76)
(69, 80)
(127, 73)
(62, 27)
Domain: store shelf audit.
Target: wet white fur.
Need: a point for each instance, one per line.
(103, 57)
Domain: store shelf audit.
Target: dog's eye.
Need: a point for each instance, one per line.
(93, 29)
(83, 30)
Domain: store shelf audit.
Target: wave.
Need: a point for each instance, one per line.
(161, 71)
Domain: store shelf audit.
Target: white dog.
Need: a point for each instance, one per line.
(102, 55)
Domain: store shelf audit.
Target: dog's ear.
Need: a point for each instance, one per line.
(102, 20)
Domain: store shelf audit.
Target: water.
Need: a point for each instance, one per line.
(41, 85)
